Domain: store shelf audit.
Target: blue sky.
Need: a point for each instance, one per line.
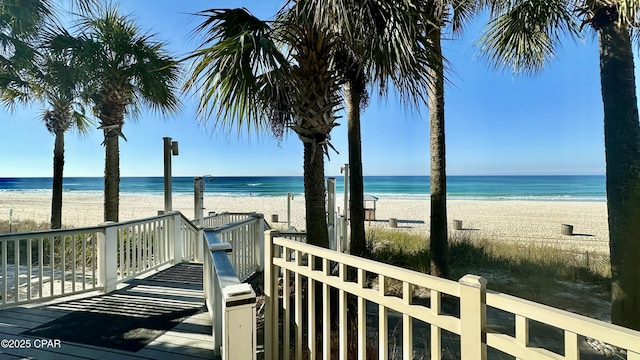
(496, 123)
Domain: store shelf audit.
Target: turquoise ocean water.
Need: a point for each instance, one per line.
(548, 188)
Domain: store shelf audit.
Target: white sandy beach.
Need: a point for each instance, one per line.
(527, 221)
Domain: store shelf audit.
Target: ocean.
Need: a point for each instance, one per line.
(547, 188)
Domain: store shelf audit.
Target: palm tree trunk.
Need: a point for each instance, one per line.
(58, 169)
(358, 243)
(438, 180)
(111, 176)
(314, 196)
(622, 149)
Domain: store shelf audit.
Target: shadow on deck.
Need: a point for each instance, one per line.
(161, 316)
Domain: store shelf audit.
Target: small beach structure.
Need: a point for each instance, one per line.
(370, 207)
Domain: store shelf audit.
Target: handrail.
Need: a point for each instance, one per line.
(187, 222)
(230, 303)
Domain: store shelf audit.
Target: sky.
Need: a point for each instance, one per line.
(497, 123)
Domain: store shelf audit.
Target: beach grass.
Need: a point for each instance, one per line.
(23, 226)
(536, 272)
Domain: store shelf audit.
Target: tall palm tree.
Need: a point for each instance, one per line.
(523, 36)
(59, 118)
(375, 55)
(124, 68)
(27, 73)
(279, 75)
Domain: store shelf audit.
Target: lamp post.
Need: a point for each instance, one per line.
(170, 148)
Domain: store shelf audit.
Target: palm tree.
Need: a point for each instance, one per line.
(246, 80)
(123, 67)
(374, 55)
(523, 36)
(27, 73)
(59, 119)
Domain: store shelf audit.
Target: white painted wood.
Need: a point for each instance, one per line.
(522, 331)
(571, 346)
(343, 322)
(297, 296)
(362, 318)
(407, 323)
(383, 320)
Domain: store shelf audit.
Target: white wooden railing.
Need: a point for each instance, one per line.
(224, 218)
(42, 265)
(46, 264)
(299, 280)
(234, 254)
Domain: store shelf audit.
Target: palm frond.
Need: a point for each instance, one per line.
(237, 69)
(525, 37)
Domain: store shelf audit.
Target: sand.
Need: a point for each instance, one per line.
(526, 221)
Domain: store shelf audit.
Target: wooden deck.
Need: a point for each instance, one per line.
(157, 293)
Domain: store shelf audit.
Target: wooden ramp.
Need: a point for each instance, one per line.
(101, 324)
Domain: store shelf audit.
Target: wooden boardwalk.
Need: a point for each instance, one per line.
(173, 292)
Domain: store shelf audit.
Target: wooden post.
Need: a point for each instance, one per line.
(457, 224)
(270, 298)
(566, 229)
(274, 218)
(393, 222)
(473, 317)
(108, 257)
(239, 322)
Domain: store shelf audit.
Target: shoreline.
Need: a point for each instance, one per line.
(531, 221)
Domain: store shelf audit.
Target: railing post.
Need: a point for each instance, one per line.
(108, 257)
(258, 246)
(176, 241)
(200, 247)
(473, 317)
(270, 298)
(239, 309)
(331, 213)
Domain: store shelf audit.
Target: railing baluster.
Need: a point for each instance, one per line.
(52, 262)
(342, 314)
(383, 321)
(63, 263)
(16, 265)
(311, 300)
(29, 268)
(362, 318)
(5, 280)
(326, 319)
(40, 266)
(74, 256)
(571, 347)
(83, 261)
(286, 307)
(407, 322)
(297, 296)
(522, 331)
